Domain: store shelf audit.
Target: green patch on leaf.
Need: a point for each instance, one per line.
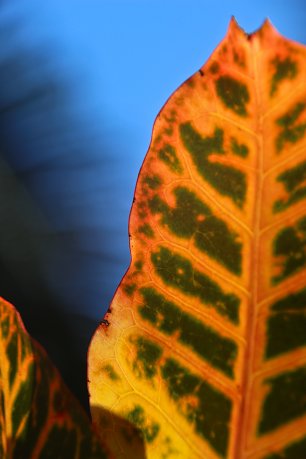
(129, 289)
(23, 401)
(178, 272)
(294, 302)
(169, 130)
(233, 93)
(191, 218)
(290, 131)
(239, 149)
(283, 70)
(141, 209)
(207, 409)
(285, 400)
(287, 324)
(296, 450)
(147, 355)
(239, 59)
(138, 265)
(168, 155)
(214, 68)
(153, 181)
(227, 180)
(293, 181)
(111, 373)
(5, 327)
(169, 319)
(12, 355)
(290, 245)
(149, 428)
(147, 230)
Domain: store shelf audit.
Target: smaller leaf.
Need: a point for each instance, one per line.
(39, 418)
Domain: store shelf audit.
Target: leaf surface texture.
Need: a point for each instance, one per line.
(39, 418)
(204, 348)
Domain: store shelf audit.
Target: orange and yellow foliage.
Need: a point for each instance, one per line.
(203, 347)
(39, 418)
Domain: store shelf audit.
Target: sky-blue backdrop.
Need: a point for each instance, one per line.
(81, 83)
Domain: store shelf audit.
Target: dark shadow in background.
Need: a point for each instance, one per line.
(45, 271)
(126, 439)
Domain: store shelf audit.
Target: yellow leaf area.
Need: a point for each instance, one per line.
(39, 418)
(204, 348)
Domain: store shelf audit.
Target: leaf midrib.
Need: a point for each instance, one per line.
(242, 432)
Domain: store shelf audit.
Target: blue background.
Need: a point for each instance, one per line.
(81, 83)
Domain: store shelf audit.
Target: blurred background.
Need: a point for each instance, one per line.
(81, 83)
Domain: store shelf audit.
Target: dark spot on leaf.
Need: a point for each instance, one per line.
(233, 93)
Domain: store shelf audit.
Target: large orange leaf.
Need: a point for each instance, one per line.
(203, 347)
(39, 418)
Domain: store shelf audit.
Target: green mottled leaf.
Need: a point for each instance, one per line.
(39, 418)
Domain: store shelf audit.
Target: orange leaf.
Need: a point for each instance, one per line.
(204, 344)
(39, 418)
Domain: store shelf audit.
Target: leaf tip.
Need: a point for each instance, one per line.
(265, 30)
(268, 28)
(234, 28)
